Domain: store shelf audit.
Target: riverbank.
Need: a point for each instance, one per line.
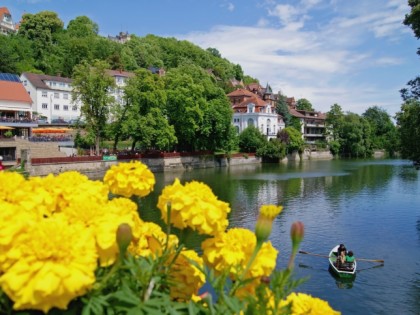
(97, 165)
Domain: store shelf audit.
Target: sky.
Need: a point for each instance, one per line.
(355, 53)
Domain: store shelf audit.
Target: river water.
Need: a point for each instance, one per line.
(372, 206)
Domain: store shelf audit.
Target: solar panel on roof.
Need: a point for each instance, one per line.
(9, 77)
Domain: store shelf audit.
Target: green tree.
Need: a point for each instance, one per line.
(408, 121)
(43, 30)
(272, 151)
(82, 27)
(251, 139)
(91, 86)
(381, 126)
(355, 136)
(304, 104)
(292, 138)
(198, 109)
(283, 109)
(144, 120)
(334, 121)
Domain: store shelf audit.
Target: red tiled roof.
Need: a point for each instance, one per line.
(241, 92)
(242, 107)
(38, 80)
(3, 11)
(14, 91)
(120, 73)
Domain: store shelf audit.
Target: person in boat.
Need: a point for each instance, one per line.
(350, 259)
(341, 256)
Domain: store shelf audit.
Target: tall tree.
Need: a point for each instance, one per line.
(283, 109)
(304, 104)
(408, 121)
(381, 126)
(145, 120)
(82, 27)
(43, 30)
(91, 86)
(292, 138)
(355, 136)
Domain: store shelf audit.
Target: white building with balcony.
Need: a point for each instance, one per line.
(6, 23)
(51, 96)
(250, 110)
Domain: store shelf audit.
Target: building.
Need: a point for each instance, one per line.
(121, 38)
(51, 96)
(312, 123)
(6, 23)
(121, 77)
(15, 114)
(250, 109)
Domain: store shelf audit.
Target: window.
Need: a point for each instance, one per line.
(44, 106)
(56, 95)
(74, 108)
(44, 94)
(56, 107)
(25, 83)
(65, 107)
(66, 96)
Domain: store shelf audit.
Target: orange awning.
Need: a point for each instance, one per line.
(50, 130)
(6, 128)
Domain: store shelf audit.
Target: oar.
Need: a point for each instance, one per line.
(359, 259)
(371, 260)
(312, 254)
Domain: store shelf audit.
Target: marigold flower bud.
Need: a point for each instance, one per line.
(124, 237)
(265, 220)
(297, 232)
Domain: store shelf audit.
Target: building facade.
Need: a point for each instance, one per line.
(15, 115)
(6, 23)
(250, 109)
(51, 96)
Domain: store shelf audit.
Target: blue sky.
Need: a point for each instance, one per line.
(355, 53)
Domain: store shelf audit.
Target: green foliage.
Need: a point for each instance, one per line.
(304, 104)
(413, 18)
(334, 121)
(90, 86)
(82, 26)
(355, 136)
(334, 147)
(251, 139)
(8, 134)
(272, 150)
(381, 126)
(408, 121)
(283, 109)
(292, 138)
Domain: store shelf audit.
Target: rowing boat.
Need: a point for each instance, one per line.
(347, 271)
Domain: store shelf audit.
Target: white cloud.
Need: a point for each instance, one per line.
(329, 62)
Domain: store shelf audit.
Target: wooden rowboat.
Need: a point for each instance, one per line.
(348, 271)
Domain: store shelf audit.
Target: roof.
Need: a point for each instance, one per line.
(38, 80)
(242, 107)
(304, 114)
(3, 11)
(241, 92)
(14, 91)
(120, 73)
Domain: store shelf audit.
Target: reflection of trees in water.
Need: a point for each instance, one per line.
(369, 177)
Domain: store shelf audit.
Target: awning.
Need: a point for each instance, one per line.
(6, 128)
(51, 130)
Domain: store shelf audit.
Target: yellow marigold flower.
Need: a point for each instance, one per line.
(270, 211)
(128, 179)
(231, 251)
(304, 304)
(150, 240)
(185, 275)
(56, 264)
(264, 223)
(195, 206)
(103, 220)
(10, 188)
(13, 224)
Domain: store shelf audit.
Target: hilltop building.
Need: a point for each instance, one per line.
(121, 38)
(6, 23)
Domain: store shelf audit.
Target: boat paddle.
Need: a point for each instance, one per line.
(357, 259)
